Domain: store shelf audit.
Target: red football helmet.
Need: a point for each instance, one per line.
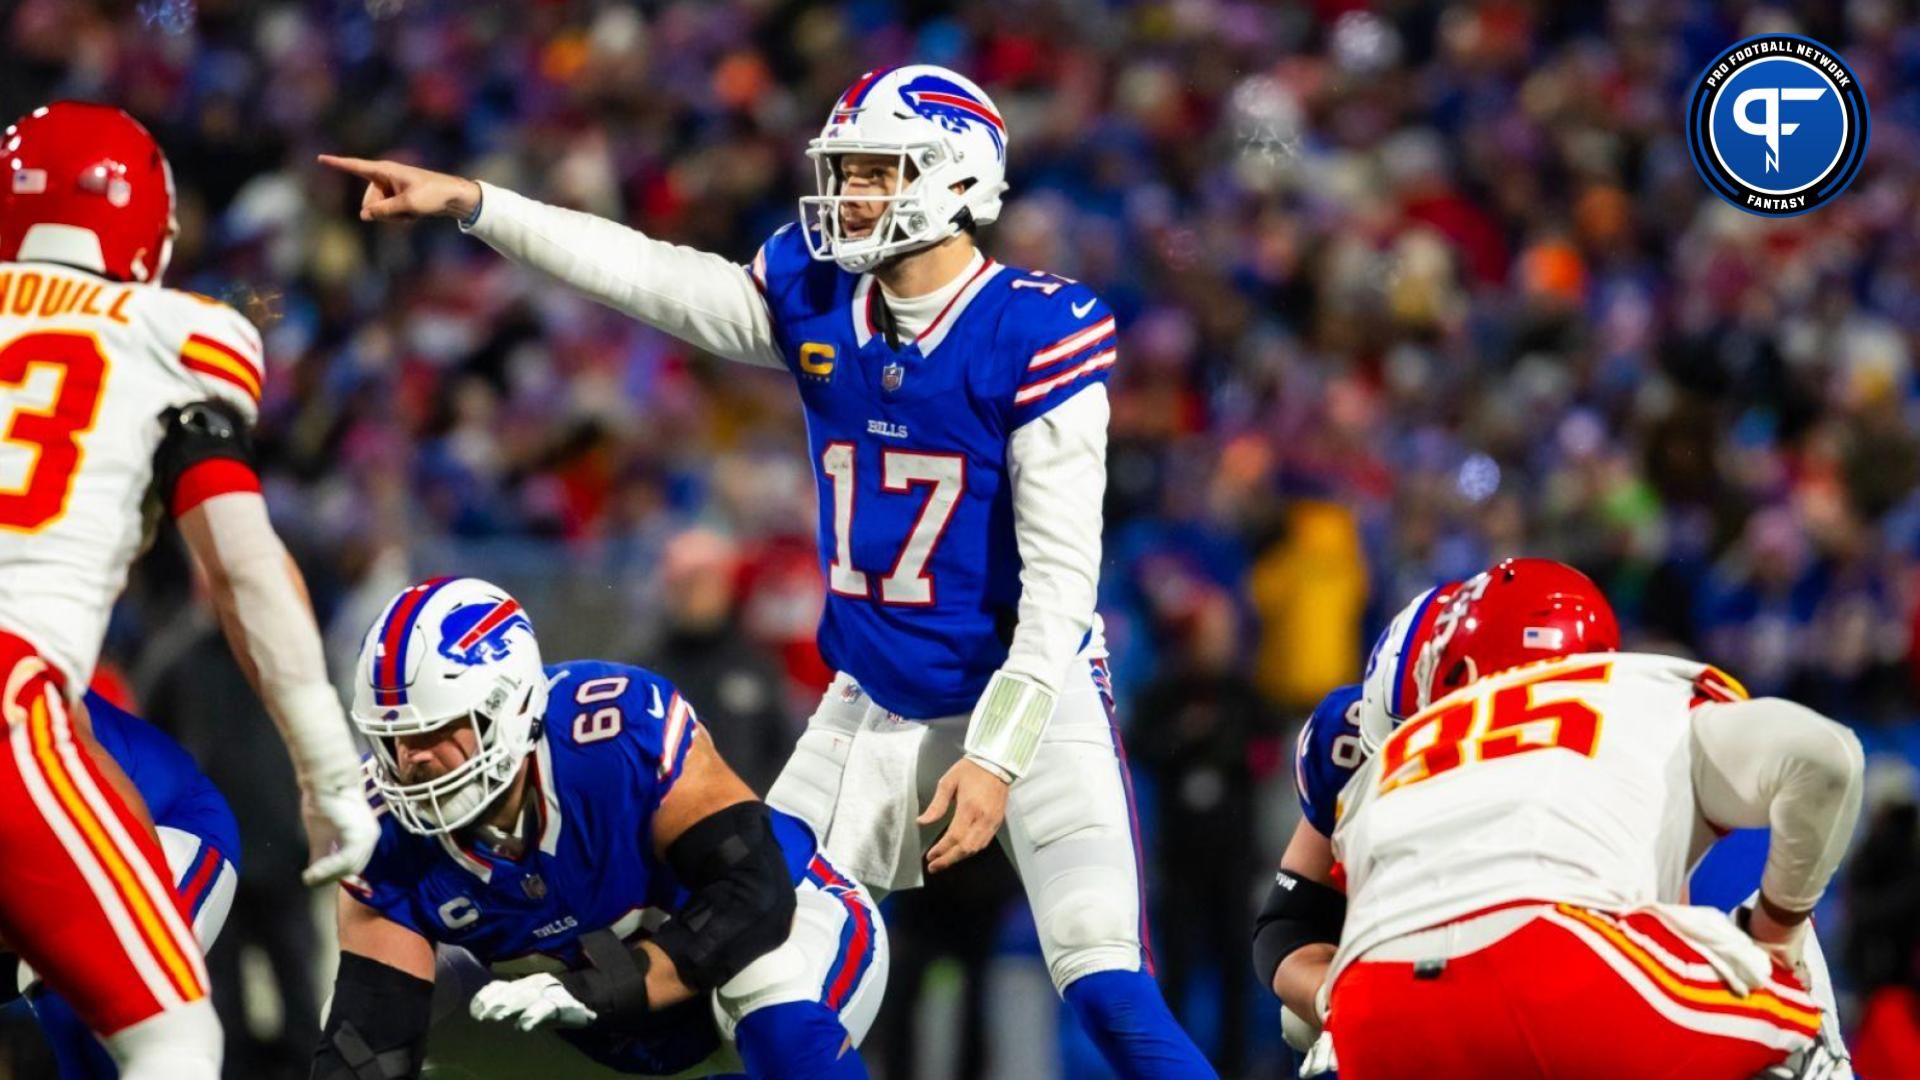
(1520, 611)
(87, 186)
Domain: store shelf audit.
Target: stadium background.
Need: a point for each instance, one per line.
(1404, 288)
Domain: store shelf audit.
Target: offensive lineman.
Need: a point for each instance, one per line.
(114, 390)
(957, 413)
(1299, 925)
(543, 819)
(1514, 855)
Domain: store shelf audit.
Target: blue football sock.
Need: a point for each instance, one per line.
(801, 1040)
(1124, 1014)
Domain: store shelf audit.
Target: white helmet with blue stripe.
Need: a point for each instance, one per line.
(1388, 694)
(447, 651)
(950, 148)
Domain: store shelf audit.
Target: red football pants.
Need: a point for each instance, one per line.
(86, 898)
(1573, 995)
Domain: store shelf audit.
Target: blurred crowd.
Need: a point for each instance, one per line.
(1404, 287)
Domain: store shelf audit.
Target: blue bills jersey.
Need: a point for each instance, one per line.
(178, 794)
(910, 456)
(1730, 870)
(1326, 755)
(613, 745)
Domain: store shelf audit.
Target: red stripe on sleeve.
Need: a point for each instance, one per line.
(214, 476)
(229, 351)
(844, 982)
(252, 392)
(209, 861)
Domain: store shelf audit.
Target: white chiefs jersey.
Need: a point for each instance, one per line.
(1565, 781)
(87, 368)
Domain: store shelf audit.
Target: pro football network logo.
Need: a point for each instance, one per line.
(1778, 125)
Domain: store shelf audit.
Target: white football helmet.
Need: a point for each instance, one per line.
(1387, 693)
(443, 651)
(944, 132)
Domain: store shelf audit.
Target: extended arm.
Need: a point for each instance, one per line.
(205, 466)
(697, 297)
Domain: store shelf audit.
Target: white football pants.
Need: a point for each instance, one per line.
(1070, 827)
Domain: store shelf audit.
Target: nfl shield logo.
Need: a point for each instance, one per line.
(891, 376)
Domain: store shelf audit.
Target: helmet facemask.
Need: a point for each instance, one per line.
(504, 735)
(1389, 690)
(1430, 684)
(923, 210)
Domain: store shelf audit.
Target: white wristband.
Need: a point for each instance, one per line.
(1004, 732)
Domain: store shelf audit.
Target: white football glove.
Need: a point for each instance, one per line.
(1320, 1060)
(1826, 1059)
(1298, 1031)
(341, 829)
(530, 1002)
(1791, 953)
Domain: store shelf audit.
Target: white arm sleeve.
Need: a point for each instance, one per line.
(269, 623)
(1058, 467)
(698, 297)
(1772, 763)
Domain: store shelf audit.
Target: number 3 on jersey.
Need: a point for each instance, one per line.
(908, 583)
(1483, 727)
(33, 496)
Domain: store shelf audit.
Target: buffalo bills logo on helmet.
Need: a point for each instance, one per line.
(954, 107)
(477, 633)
